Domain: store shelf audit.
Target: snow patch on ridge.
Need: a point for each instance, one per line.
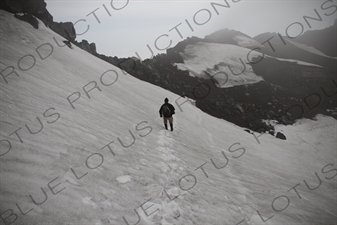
(247, 42)
(310, 49)
(295, 61)
(227, 65)
(221, 62)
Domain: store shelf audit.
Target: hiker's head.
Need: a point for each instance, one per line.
(166, 100)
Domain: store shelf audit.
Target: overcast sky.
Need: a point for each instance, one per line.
(123, 27)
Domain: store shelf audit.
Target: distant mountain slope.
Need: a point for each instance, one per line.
(225, 36)
(310, 49)
(323, 40)
(281, 47)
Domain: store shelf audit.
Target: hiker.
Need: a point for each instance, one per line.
(167, 110)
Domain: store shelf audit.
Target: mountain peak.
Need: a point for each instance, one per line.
(225, 36)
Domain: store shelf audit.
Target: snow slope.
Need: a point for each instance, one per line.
(227, 65)
(81, 145)
(294, 61)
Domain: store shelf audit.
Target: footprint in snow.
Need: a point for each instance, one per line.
(89, 201)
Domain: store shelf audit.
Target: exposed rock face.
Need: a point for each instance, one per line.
(322, 40)
(283, 47)
(38, 9)
(84, 44)
(29, 19)
(173, 53)
(66, 30)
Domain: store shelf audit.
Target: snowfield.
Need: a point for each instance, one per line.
(247, 42)
(226, 65)
(81, 142)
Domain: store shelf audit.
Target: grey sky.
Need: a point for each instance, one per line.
(121, 28)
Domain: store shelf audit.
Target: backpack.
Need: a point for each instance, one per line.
(166, 111)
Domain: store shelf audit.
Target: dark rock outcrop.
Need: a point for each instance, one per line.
(66, 30)
(281, 136)
(84, 44)
(38, 9)
(29, 19)
(322, 40)
(283, 47)
(173, 53)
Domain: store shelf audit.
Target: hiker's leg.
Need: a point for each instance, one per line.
(165, 122)
(171, 122)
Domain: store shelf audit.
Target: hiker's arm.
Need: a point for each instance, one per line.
(160, 114)
(173, 109)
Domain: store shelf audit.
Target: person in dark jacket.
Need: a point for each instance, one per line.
(166, 111)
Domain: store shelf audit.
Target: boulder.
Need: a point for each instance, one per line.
(281, 136)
